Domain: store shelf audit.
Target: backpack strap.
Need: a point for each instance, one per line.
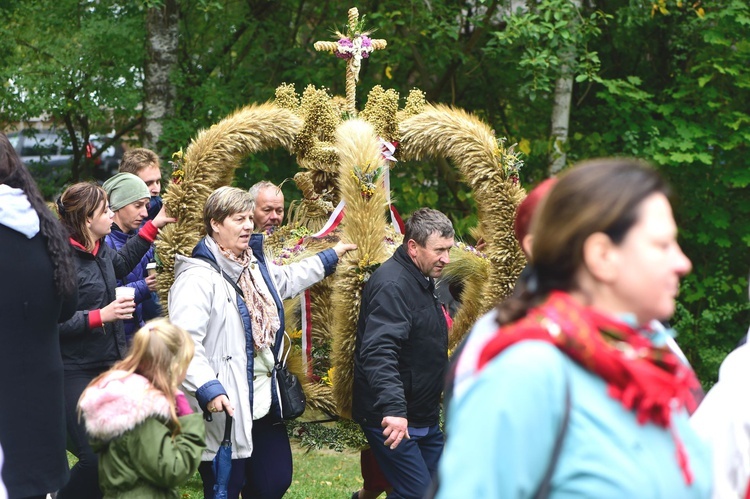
(546, 485)
(223, 274)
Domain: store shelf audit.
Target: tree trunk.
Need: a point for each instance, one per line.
(162, 34)
(560, 122)
(561, 106)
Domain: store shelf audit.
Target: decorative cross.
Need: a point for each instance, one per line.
(353, 46)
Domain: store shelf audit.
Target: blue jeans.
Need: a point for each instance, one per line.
(409, 467)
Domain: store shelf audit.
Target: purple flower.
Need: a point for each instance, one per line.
(366, 46)
(344, 43)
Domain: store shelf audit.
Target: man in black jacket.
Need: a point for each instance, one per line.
(401, 355)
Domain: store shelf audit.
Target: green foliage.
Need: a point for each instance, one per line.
(711, 318)
(686, 114)
(77, 63)
(547, 39)
(667, 81)
(339, 435)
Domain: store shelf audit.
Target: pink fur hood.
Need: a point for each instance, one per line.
(118, 403)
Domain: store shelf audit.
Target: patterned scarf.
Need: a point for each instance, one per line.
(649, 380)
(264, 316)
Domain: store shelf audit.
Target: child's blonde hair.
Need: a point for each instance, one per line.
(161, 353)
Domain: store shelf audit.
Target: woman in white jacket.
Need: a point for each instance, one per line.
(723, 419)
(236, 336)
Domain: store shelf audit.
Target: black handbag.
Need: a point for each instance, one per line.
(291, 395)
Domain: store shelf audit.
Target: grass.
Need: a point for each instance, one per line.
(318, 474)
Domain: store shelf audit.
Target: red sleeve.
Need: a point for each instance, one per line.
(95, 318)
(148, 232)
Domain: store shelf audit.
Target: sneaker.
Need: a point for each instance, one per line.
(355, 494)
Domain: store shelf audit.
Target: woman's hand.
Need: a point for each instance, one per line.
(341, 248)
(161, 219)
(219, 404)
(121, 308)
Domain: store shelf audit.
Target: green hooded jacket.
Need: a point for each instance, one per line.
(129, 426)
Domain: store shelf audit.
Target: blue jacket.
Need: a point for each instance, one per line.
(503, 422)
(135, 279)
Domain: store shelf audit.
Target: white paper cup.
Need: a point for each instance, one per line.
(151, 268)
(125, 292)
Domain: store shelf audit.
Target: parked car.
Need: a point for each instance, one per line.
(43, 146)
(47, 155)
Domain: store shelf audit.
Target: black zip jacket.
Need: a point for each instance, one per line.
(401, 352)
(83, 347)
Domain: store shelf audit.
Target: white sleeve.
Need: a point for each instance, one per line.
(190, 307)
(292, 279)
(723, 420)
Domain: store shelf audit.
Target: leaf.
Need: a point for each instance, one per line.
(705, 79)
(525, 146)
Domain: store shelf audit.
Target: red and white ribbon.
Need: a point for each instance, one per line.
(306, 321)
(333, 221)
(396, 222)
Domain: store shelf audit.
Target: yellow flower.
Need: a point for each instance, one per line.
(328, 378)
(364, 261)
(296, 335)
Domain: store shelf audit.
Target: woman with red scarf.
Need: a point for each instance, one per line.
(570, 398)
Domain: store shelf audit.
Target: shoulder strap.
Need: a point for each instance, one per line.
(220, 271)
(546, 485)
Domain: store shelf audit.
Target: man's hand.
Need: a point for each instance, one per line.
(161, 219)
(151, 282)
(396, 429)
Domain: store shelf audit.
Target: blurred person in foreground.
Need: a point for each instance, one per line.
(268, 213)
(38, 290)
(230, 300)
(570, 398)
(465, 356)
(723, 419)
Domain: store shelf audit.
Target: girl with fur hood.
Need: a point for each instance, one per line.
(148, 440)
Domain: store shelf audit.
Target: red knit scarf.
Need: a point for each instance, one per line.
(649, 380)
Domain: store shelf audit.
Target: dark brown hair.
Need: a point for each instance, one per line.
(77, 204)
(425, 222)
(600, 195)
(14, 174)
